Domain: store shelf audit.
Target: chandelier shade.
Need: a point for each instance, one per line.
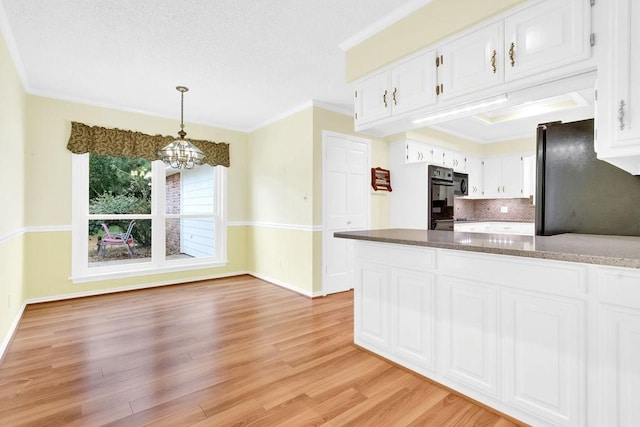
(181, 154)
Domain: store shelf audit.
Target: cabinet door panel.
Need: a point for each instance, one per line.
(512, 176)
(492, 177)
(544, 357)
(546, 36)
(620, 344)
(474, 169)
(626, 42)
(371, 315)
(471, 334)
(370, 99)
(413, 316)
(413, 83)
(468, 63)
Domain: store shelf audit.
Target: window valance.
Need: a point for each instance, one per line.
(125, 143)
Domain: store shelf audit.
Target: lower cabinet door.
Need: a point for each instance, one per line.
(620, 349)
(413, 323)
(470, 313)
(544, 356)
(371, 316)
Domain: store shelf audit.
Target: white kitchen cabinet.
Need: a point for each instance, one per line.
(510, 332)
(512, 176)
(529, 175)
(455, 160)
(418, 152)
(412, 309)
(492, 176)
(546, 36)
(472, 62)
(544, 356)
(503, 176)
(470, 314)
(621, 353)
(619, 342)
(421, 152)
(618, 113)
(474, 169)
(408, 85)
(371, 318)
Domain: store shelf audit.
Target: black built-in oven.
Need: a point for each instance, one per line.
(441, 192)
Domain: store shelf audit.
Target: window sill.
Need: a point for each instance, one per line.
(147, 270)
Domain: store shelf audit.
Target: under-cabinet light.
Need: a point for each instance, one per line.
(487, 102)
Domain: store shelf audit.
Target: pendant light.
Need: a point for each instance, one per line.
(181, 154)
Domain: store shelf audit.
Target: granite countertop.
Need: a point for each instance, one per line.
(619, 251)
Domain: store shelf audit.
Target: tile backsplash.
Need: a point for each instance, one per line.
(490, 209)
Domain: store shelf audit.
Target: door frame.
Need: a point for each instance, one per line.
(325, 134)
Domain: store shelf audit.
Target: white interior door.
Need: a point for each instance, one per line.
(346, 205)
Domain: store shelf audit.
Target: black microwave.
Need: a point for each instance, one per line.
(460, 184)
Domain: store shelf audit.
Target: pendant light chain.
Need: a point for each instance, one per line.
(181, 154)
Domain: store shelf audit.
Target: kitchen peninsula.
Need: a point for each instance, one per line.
(545, 328)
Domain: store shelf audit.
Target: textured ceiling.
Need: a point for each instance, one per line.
(245, 62)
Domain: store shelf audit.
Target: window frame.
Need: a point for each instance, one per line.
(80, 270)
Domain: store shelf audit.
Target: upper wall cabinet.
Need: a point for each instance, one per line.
(472, 62)
(618, 120)
(546, 36)
(545, 41)
(407, 86)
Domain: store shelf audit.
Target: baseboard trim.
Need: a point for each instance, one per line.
(132, 287)
(12, 330)
(286, 285)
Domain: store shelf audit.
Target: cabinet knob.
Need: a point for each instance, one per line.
(384, 98)
(498, 188)
(512, 54)
(395, 92)
(621, 114)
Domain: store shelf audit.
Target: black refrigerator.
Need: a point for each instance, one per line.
(576, 192)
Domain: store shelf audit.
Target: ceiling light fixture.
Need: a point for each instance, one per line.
(181, 154)
(472, 106)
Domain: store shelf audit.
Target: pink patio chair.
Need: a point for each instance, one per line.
(110, 238)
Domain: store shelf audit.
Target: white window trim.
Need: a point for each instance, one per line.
(80, 270)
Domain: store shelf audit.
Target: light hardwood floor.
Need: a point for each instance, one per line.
(235, 351)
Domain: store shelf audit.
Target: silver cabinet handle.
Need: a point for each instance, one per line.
(621, 114)
(503, 188)
(498, 188)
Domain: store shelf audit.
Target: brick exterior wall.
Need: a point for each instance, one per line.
(173, 207)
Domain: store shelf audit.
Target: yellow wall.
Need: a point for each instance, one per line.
(12, 175)
(285, 196)
(434, 21)
(280, 164)
(513, 146)
(49, 187)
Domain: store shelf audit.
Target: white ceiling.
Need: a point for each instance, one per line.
(245, 62)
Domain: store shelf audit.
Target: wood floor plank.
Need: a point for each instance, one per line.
(234, 351)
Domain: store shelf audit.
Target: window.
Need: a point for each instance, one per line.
(133, 217)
